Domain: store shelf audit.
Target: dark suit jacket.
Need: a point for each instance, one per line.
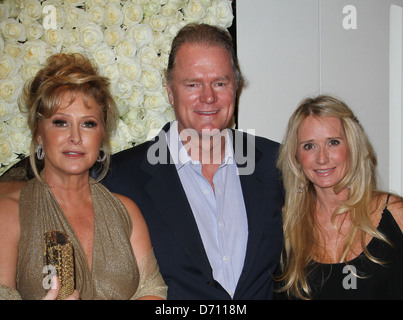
(157, 190)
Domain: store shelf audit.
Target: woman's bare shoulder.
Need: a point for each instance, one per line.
(9, 205)
(395, 206)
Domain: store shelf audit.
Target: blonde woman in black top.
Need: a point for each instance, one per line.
(343, 238)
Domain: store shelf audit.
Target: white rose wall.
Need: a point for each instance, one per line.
(128, 40)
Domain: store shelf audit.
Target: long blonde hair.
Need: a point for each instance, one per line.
(300, 228)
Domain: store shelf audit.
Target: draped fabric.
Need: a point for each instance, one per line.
(114, 273)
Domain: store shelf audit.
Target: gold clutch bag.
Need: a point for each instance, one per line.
(58, 252)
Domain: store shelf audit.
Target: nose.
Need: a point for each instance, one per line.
(208, 95)
(322, 156)
(75, 135)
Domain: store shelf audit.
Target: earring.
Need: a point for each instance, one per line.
(103, 157)
(40, 152)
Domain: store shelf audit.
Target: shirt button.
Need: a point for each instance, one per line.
(207, 192)
(225, 259)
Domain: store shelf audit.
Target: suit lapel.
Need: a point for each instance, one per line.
(174, 208)
(247, 155)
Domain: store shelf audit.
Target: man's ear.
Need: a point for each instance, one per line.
(170, 95)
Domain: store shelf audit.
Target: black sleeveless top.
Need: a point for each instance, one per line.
(361, 278)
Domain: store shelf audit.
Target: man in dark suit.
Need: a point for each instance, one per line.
(211, 196)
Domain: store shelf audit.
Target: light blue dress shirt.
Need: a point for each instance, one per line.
(220, 215)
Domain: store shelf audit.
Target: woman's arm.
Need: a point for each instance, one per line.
(9, 239)
(150, 278)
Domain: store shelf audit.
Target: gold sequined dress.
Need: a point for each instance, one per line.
(115, 273)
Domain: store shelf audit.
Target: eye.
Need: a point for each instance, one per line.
(308, 146)
(334, 142)
(59, 122)
(89, 124)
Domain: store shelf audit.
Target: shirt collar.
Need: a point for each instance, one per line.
(180, 155)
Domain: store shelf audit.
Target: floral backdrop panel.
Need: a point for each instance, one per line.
(128, 40)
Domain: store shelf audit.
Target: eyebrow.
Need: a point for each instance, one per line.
(69, 115)
(329, 138)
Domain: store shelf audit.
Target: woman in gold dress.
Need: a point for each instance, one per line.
(71, 113)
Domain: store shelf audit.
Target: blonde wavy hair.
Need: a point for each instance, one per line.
(42, 97)
(301, 231)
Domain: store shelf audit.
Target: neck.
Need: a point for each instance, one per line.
(68, 189)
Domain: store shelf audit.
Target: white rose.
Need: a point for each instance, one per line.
(159, 41)
(6, 153)
(54, 37)
(37, 51)
(4, 130)
(74, 16)
(33, 30)
(91, 35)
(113, 16)
(172, 29)
(208, 3)
(163, 61)
(4, 12)
(31, 11)
(18, 123)
(103, 55)
(137, 131)
(9, 67)
(96, 14)
(29, 70)
(151, 8)
(156, 102)
(6, 111)
(221, 10)
(123, 105)
(158, 22)
(169, 114)
(76, 3)
(1, 44)
(127, 47)
(71, 37)
(148, 56)
(10, 88)
(113, 35)
(134, 114)
(12, 29)
(122, 87)
(19, 142)
(110, 71)
(169, 11)
(120, 139)
(132, 13)
(137, 96)
(97, 3)
(75, 49)
(194, 11)
(14, 7)
(151, 79)
(179, 4)
(141, 33)
(153, 123)
(130, 68)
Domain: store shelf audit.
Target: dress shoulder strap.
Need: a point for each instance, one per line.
(387, 201)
